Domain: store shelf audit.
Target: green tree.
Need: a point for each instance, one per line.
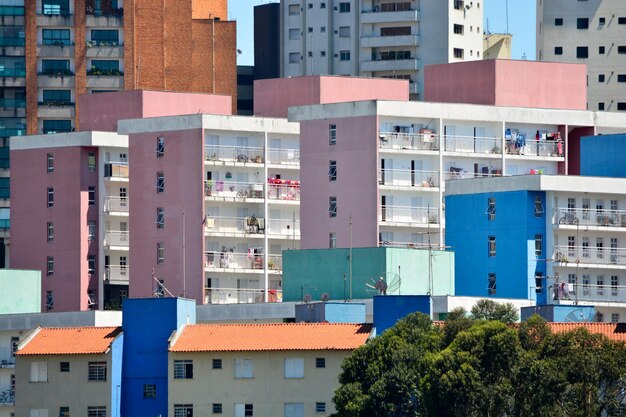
(487, 309)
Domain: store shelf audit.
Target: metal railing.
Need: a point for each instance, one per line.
(390, 7)
(471, 144)
(116, 204)
(589, 217)
(284, 227)
(408, 178)
(7, 358)
(409, 245)
(117, 273)
(233, 189)
(600, 255)
(408, 215)
(241, 261)
(535, 148)
(581, 291)
(243, 154)
(116, 169)
(283, 192)
(7, 397)
(241, 296)
(409, 141)
(284, 156)
(233, 225)
(116, 238)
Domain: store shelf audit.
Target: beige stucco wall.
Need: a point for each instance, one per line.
(268, 391)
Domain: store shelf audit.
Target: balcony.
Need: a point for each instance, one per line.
(408, 216)
(542, 148)
(589, 219)
(284, 193)
(53, 78)
(55, 109)
(217, 154)
(116, 206)
(404, 179)
(408, 141)
(284, 157)
(116, 171)
(389, 14)
(104, 18)
(107, 81)
(116, 240)
(7, 398)
(11, 107)
(241, 262)
(472, 144)
(232, 191)
(377, 41)
(409, 245)
(63, 19)
(56, 50)
(241, 296)
(116, 274)
(411, 64)
(7, 358)
(565, 293)
(589, 257)
(251, 227)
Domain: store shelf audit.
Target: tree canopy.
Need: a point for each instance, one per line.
(482, 365)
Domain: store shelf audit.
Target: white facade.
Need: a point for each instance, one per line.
(591, 32)
(378, 38)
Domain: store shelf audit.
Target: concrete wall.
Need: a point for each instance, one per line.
(389, 309)
(560, 313)
(21, 291)
(603, 156)
(331, 312)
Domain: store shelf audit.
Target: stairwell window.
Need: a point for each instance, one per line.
(50, 197)
(491, 283)
(538, 206)
(97, 411)
(160, 218)
(160, 146)
(91, 161)
(160, 252)
(91, 196)
(332, 206)
(491, 208)
(50, 231)
(538, 245)
(50, 265)
(50, 162)
(491, 246)
(49, 300)
(160, 182)
(332, 171)
(332, 134)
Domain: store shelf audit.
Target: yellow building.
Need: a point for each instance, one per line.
(270, 370)
(497, 45)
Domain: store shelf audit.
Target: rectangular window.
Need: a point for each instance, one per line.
(538, 206)
(294, 368)
(320, 362)
(582, 52)
(217, 364)
(50, 264)
(49, 300)
(558, 50)
(621, 20)
(599, 248)
(160, 182)
(458, 53)
(91, 199)
(160, 218)
(600, 106)
(538, 283)
(558, 21)
(244, 368)
(320, 407)
(458, 29)
(332, 240)
(50, 197)
(244, 410)
(102, 37)
(64, 412)
(56, 126)
(491, 208)
(344, 31)
(294, 409)
(91, 230)
(491, 246)
(582, 23)
(160, 252)
(621, 106)
(614, 317)
(64, 367)
(160, 146)
(332, 206)
(91, 264)
(36, 412)
(294, 57)
(294, 9)
(294, 34)
(344, 7)
(600, 78)
(217, 408)
(50, 231)
(91, 161)
(104, 67)
(491, 284)
(332, 171)
(621, 78)
(601, 50)
(344, 55)
(57, 97)
(601, 21)
(149, 390)
(50, 162)
(538, 245)
(97, 411)
(52, 7)
(97, 371)
(600, 285)
(459, 4)
(39, 372)
(183, 369)
(332, 134)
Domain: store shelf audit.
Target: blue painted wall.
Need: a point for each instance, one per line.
(331, 312)
(514, 226)
(117, 348)
(560, 313)
(388, 309)
(148, 323)
(603, 156)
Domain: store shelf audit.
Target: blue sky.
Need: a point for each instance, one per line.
(521, 24)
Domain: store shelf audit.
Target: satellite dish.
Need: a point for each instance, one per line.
(383, 284)
(307, 298)
(576, 316)
(325, 297)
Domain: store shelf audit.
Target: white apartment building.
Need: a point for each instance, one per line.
(591, 32)
(378, 38)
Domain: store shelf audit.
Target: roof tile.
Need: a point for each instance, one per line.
(613, 331)
(70, 341)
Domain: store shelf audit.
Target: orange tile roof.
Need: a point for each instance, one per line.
(614, 331)
(70, 341)
(261, 337)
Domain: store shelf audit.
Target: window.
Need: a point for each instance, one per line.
(344, 55)
(244, 410)
(91, 230)
(491, 208)
(320, 407)
(332, 206)
(332, 134)
(458, 53)
(599, 248)
(294, 9)
(621, 78)
(538, 206)
(332, 171)
(160, 182)
(91, 264)
(50, 162)
(600, 78)
(61, 7)
(322, 5)
(600, 106)
(50, 231)
(91, 161)
(621, 20)
(244, 368)
(294, 409)
(294, 57)
(294, 34)
(558, 50)
(459, 4)
(149, 390)
(50, 264)
(106, 66)
(621, 106)
(310, 29)
(332, 240)
(56, 126)
(538, 245)
(294, 368)
(491, 284)
(601, 21)
(97, 411)
(217, 408)
(344, 7)
(538, 283)
(56, 37)
(601, 50)
(458, 29)
(310, 54)
(91, 192)
(64, 367)
(320, 362)
(160, 252)
(344, 31)
(323, 29)
(614, 317)
(322, 53)
(585, 247)
(64, 412)
(491, 246)
(183, 369)
(582, 52)
(310, 5)
(97, 371)
(33, 412)
(49, 300)
(50, 197)
(160, 146)
(558, 21)
(160, 218)
(105, 37)
(57, 97)
(39, 372)
(217, 364)
(621, 49)
(582, 23)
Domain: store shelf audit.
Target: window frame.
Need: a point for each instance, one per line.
(293, 368)
(96, 411)
(538, 207)
(50, 265)
(332, 134)
(91, 161)
(38, 372)
(50, 194)
(149, 391)
(582, 23)
(582, 52)
(332, 170)
(491, 208)
(160, 253)
(320, 362)
(91, 195)
(244, 369)
(491, 283)
(491, 246)
(160, 147)
(64, 366)
(97, 371)
(344, 7)
(160, 218)
(160, 182)
(216, 363)
(50, 231)
(183, 369)
(538, 245)
(50, 163)
(332, 206)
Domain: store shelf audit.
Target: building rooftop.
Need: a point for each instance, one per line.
(69, 341)
(263, 337)
(613, 331)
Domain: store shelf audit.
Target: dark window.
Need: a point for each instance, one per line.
(582, 23)
(160, 182)
(332, 206)
(183, 410)
(54, 66)
(217, 408)
(538, 282)
(5, 188)
(217, 364)
(538, 245)
(160, 218)
(601, 50)
(558, 21)
(183, 369)
(621, 106)
(97, 371)
(458, 52)
(91, 264)
(602, 21)
(600, 106)
(56, 37)
(4, 157)
(50, 197)
(105, 37)
(160, 146)
(344, 55)
(332, 134)
(491, 284)
(600, 78)
(61, 7)
(104, 67)
(149, 390)
(491, 208)
(491, 246)
(57, 96)
(57, 126)
(621, 49)
(332, 171)
(458, 4)
(64, 367)
(621, 78)
(458, 29)
(582, 52)
(344, 7)
(160, 253)
(558, 50)
(91, 191)
(50, 231)
(621, 20)
(97, 411)
(320, 407)
(320, 362)
(50, 162)
(64, 412)
(538, 206)
(395, 31)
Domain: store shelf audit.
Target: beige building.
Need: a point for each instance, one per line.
(55, 377)
(259, 369)
(497, 45)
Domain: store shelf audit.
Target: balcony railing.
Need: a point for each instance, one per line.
(242, 154)
(407, 178)
(390, 7)
(408, 245)
(597, 255)
(284, 156)
(241, 296)
(116, 169)
(116, 204)
(589, 217)
(251, 226)
(241, 261)
(7, 358)
(566, 293)
(471, 144)
(233, 189)
(7, 397)
(283, 192)
(116, 273)
(410, 141)
(534, 147)
(408, 215)
(116, 238)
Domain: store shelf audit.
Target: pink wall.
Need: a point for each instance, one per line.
(30, 214)
(101, 111)
(508, 83)
(272, 98)
(355, 188)
(182, 166)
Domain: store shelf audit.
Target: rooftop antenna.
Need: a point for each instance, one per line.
(507, 17)
(160, 288)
